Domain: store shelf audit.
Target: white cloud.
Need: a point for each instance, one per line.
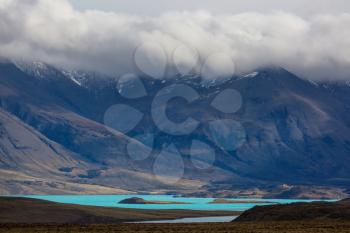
(54, 32)
(299, 7)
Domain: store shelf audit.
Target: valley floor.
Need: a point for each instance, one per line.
(251, 227)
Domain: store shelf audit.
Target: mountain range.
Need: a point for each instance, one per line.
(293, 135)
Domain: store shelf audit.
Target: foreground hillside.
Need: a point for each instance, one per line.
(299, 211)
(32, 211)
(248, 227)
(30, 215)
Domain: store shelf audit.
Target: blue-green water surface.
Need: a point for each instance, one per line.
(193, 203)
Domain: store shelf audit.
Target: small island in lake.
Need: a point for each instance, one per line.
(227, 201)
(137, 200)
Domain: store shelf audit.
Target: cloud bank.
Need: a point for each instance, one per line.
(317, 47)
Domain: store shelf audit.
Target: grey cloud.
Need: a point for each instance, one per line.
(299, 7)
(53, 31)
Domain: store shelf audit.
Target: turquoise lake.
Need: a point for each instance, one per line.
(194, 203)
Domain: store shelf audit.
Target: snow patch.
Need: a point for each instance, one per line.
(313, 82)
(251, 75)
(36, 68)
(71, 76)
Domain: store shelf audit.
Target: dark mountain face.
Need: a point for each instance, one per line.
(259, 130)
(295, 131)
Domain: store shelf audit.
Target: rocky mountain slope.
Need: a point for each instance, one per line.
(285, 132)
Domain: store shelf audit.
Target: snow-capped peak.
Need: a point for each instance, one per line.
(37, 69)
(41, 70)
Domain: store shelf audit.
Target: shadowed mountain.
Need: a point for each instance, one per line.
(295, 133)
(32, 163)
(42, 104)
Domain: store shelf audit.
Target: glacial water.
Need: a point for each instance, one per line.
(193, 203)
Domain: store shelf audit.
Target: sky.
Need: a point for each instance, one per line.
(213, 38)
(156, 7)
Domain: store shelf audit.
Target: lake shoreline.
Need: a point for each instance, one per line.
(33, 215)
(141, 201)
(34, 211)
(163, 202)
(215, 219)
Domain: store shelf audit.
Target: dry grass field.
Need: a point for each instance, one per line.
(32, 211)
(21, 215)
(249, 227)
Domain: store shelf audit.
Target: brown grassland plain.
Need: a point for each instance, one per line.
(324, 226)
(21, 215)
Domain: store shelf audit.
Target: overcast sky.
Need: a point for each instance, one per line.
(310, 38)
(156, 7)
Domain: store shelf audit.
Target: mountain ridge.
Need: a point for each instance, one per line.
(287, 120)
